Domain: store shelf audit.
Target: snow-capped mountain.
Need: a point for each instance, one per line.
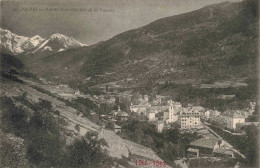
(56, 43)
(15, 44)
(32, 42)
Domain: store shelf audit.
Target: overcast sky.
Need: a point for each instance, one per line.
(107, 18)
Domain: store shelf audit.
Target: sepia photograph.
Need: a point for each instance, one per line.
(129, 84)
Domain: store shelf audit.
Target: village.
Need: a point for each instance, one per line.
(166, 114)
(124, 84)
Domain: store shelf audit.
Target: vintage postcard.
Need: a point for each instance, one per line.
(129, 84)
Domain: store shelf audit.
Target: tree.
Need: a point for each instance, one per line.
(13, 72)
(251, 145)
(110, 125)
(77, 127)
(43, 105)
(148, 140)
(44, 143)
(175, 125)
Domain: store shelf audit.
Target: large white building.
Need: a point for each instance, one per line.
(190, 118)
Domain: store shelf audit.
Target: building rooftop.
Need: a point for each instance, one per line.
(208, 142)
(189, 112)
(162, 108)
(233, 114)
(249, 123)
(159, 96)
(117, 127)
(122, 114)
(137, 106)
(192, 150)
(223, 151)
(198, 108)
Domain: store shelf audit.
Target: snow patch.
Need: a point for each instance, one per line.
(62, 49)
(41, 46)
(47, 48)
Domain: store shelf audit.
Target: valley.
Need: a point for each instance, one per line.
(181, 91)
(117, 147)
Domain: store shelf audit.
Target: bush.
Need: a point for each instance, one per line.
(14, 118)
(12, 152)
(44, 143)
(44, 148)
(87, 152)
(110, 125)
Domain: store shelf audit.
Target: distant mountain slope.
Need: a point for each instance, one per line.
(10, 67)
(14, 44)
(215, 42)
(10, 61)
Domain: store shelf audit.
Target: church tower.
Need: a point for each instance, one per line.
(173, 116)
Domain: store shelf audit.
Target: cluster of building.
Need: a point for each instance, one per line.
(173, 112)
(163, 112)
(188, 117)
(230, 118)
(105, 99)
(66, 92)
(209, 146)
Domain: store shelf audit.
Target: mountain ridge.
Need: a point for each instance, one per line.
(15, 44)
(211, 43)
